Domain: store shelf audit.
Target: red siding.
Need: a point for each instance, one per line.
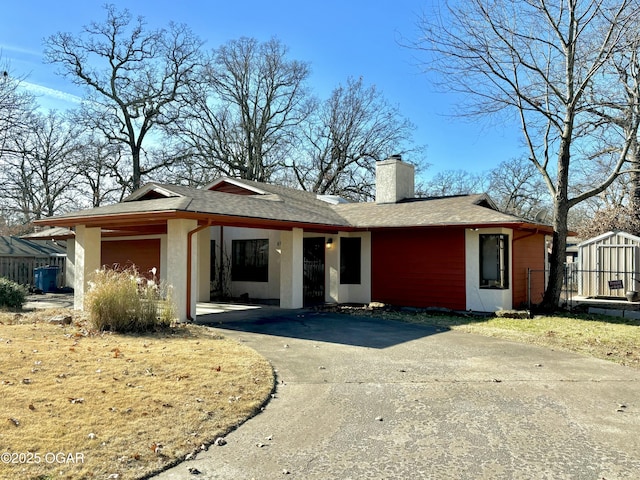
(528, 253)
(144, 254)
(419, 267)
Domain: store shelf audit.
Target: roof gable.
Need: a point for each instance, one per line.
(234, 186)
(152, 191)
(607, 235)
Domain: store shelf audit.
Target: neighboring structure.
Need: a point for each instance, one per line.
(608, 265)
(19, 258)
(258, 241)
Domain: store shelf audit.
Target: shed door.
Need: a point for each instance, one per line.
(617, 262)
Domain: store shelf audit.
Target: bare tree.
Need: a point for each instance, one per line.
(615, 218)
(133, 76)
(244, 115)
(452, 182)
(537, 61)
(517, 188)
(101, 176)
(15, 106)
(347, 134)
(620, 105)
(40, 169)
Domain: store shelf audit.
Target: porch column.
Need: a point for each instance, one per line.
(204, 265)
(291, 269)
(87, 261)
(177, 234)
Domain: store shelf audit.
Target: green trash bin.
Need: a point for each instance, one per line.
(46, 278)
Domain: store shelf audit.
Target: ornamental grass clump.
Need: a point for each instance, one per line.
(123, 301)
(12, 294)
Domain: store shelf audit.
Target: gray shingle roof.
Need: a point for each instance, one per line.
(284, 204)
(456, 210)
(19, 247)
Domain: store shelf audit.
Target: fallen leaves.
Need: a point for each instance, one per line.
(107, 393)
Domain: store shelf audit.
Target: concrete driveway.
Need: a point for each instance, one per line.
(373, 399)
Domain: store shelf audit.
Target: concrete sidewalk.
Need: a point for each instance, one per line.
(48, 300)
(364, 398)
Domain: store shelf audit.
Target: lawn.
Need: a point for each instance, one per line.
(609, 338)
(84, 404)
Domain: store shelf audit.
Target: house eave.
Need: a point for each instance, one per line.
(141, 221)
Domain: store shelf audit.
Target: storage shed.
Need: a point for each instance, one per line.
(608, 265)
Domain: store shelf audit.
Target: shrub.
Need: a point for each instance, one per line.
(12, 295)
(122, 301)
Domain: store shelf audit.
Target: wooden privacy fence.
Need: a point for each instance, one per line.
(21, 269)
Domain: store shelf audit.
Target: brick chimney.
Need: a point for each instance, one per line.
(394, 180)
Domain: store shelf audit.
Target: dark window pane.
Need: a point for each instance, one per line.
(250, 260)
(494, 261)
(350, 249)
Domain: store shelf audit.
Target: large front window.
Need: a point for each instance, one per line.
(250, 260)
(494, 261)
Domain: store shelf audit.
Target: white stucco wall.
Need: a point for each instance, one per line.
(291, 269)
(177, 232)
(279, 245)
(87, 261)
(350, 293)
(70, 263)
(269, 290)
(485, 299)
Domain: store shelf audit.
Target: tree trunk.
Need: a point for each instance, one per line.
(634, 161)
(136, 175)
(558, 255)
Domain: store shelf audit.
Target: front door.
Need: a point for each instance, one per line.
(313, 273)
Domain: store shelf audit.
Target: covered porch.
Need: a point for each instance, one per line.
(186, 258)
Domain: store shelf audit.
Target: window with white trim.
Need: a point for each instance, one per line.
(494, 261)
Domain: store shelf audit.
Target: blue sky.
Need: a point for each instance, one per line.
(339, 38)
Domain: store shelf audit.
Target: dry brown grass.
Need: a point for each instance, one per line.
(117, 404)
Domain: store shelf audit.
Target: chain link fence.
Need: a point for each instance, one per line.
(580, 284)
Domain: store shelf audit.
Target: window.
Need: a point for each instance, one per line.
(250, 260)
(350, 260)
(494, 261)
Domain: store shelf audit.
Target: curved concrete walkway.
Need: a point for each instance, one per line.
(372, 399)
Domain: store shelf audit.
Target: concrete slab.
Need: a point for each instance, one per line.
(49, 300)
(367, 398)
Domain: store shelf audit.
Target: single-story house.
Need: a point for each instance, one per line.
(295, 247)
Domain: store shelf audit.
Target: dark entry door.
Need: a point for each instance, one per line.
(313, 274)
